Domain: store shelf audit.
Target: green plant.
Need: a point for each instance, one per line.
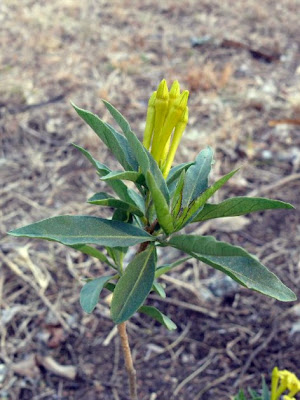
(281, 381)
(265, 395)
(165, 201)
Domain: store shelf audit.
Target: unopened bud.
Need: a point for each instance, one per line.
(179, 129)
(162, 91)
(161, 108)
(149, 121)
(172, 119)
(174, 93)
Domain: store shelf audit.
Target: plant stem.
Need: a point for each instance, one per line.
(128, 361)
(131, 372)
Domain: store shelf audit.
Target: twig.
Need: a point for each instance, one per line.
(216, 382)
(192, 376)
(14, 268)
(254, 354)
(272, 186)
(128, 361)
(185, 305)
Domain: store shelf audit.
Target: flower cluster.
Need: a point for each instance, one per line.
(282, 381)
(167, 116)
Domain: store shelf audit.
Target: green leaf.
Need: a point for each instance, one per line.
(161, 206)
(253, 394)
(119, 187)
(240, 395)
(177, 197)
(175, 173)
(111, 138)
(132, 176)
(265, 390)
(90, 292)
(196, 177)
(158, 316)
(117, 254)
(104, 199)
(117, 116)
(163, 269)
(239, 206)
(234, 262)
(144, 158)
(84, 229)
(91, 251)
(196, 206)
(157, 287)
(134, 286)
(110, 286)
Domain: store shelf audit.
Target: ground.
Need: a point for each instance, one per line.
(240, 61)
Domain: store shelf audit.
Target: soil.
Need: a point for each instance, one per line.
(240, 61)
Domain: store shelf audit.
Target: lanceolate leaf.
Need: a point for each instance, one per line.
(113, 140)
(177, 196)
(117, 254)
(119, 187)
(134, 286)
(124, 175)
(144, 158)
(84, 229)
(161, 206)
(101, 168)
(157, 287)
(91, 251)
(90, 292)
(158, 316)
(118, 117)
(104, 199)
(235, 262)
(238, 206)
(192, 211)
(196, 177)
(163, 269)
(174, 174)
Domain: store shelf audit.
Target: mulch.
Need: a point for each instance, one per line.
(241, 66)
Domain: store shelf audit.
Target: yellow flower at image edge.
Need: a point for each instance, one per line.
(167, 117)
(282, 381)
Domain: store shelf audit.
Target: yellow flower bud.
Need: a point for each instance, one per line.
(173, 95)
(149, 121)
(161, 108)
(179, 129)
(274, 383)
(171, 121)
(293, 384)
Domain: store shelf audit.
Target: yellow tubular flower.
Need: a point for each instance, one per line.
(149, 121)
(161, 108)
(274, 383)
(173, 95)
(180, 127)
(171, 121)
(283, 384)
(293, 385)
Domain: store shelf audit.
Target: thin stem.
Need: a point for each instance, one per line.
(131, 372)
(128, 361)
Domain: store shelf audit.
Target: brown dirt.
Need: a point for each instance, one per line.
(240, 60)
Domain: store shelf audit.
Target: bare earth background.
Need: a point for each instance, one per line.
(240, 61)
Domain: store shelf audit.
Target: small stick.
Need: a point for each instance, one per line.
(128, 361)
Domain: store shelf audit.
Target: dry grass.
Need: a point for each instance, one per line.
(54, 52)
